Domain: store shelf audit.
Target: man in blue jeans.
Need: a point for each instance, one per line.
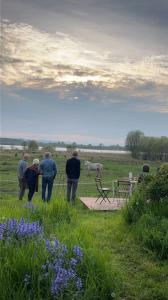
(48, 169)
(73, 174)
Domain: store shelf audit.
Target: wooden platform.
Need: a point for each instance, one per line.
(115, 203)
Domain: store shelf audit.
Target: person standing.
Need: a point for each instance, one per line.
(48, 169)
(22, 165)
(73, 174)
(144, 173)
(31, 177)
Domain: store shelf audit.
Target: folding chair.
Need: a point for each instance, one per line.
(103, 192)
(124, 188)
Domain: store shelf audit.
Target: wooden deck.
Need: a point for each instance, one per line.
(115, 203)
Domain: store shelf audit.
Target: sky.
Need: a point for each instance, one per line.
(84, 71)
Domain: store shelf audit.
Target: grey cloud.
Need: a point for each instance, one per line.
(128, 27)
(4, 59)
(36, 59)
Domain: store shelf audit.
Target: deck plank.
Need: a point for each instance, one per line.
(115, 203)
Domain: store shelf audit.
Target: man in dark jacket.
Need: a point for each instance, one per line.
(73, 174)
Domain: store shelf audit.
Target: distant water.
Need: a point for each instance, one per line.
(18, 147)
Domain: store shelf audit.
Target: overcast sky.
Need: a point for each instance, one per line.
(87, 71)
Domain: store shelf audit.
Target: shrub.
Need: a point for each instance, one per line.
(134, 208)
(157, 189)
(163, 169)
(152, 231)
(148, 209)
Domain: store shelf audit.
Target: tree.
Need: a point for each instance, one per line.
(49, 148)
(133, 142)
(24, 145)
(71, 148)
(32, 145)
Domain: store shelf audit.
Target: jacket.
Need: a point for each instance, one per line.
(48, 168)
(31, 176)
(73, 168)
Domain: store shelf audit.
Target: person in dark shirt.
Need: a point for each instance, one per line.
(31, 177)
(144, 173)
(73, 174)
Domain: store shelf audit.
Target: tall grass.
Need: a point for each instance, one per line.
(61, 221)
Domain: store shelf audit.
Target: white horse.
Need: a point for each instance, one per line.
(93, 167)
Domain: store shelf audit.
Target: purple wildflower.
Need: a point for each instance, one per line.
(15, 229)
(56, 243)
(78, 252)
(79, 283)
(27, 279)
(64, 248)
(47, 242)
(59, 282)
(73, 262)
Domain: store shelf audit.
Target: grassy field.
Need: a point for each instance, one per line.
(115, 264)
(114, 166)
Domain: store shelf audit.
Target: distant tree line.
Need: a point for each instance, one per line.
(28, 143)
(146, 147)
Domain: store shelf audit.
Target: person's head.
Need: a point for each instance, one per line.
(47, 155)
(36, 162)
(25, 156)
(75, 153)
(145, 168)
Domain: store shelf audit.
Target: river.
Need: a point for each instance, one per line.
(61, 149)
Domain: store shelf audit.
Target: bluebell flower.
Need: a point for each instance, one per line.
(14, 229)
(79, 283)
(27, 279)
(64, 248)
(71, 273)
(47, 242)
(78, 252)
(56, 243)
(73, 262)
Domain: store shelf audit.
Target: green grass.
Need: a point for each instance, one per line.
(114, 166)
(114, 261)
(116, 265)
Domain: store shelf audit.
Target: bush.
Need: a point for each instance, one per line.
(152, 231)
(148, 210)
(163, 169)
(157, 189)
(134, 208)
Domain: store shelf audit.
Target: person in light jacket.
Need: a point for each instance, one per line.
(48, 169)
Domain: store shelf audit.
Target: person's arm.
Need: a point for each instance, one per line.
(67, 168)
(79, 168)
(54, 169)
(41, 168)
(24, 168)
(25, 174)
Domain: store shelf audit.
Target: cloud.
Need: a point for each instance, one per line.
(39, 60)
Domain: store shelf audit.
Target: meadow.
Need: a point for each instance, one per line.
(114, 166)
(114, 264)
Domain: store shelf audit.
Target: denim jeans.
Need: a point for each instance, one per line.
(22, 187)
(72, 185)
(32, 189)
(47, 184)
